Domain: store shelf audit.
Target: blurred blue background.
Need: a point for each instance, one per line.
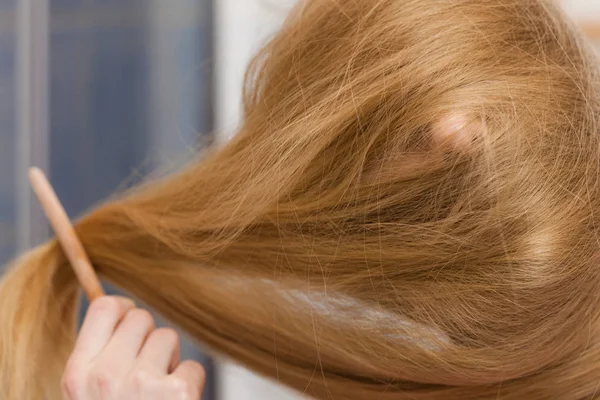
(7, 129)
(129, 87)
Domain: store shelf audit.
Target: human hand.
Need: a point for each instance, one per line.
(120, 355)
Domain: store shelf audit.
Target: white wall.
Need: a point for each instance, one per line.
(583, 9)
(241, 26)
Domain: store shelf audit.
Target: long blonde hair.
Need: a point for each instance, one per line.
(408, 211)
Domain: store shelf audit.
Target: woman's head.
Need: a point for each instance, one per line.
(408, 211)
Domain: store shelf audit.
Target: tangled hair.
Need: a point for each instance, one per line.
(408, 211)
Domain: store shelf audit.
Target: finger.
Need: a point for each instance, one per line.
(160, 353)
(103, 316)
(188, 378)
(128, 339)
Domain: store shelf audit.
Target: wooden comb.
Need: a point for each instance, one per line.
(66, 235)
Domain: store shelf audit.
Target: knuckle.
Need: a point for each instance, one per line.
(140, 379)
(141, 317)
(190, 386)
(104, 382)
(72, 381)
(181, 389)
(168, 336)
